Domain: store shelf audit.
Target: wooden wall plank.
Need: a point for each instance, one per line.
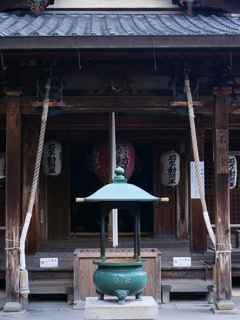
(164, 219)
(59, 200)
(30, 145)
(182, 196)
(198, 236)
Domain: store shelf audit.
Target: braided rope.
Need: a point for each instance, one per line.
(35, 178)
(197, 162)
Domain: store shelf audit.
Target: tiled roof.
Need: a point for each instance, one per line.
(116, 24)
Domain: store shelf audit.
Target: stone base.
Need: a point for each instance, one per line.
(12, 307)
(233, 311)
(109, 309)
(79, 305)
(225, 305)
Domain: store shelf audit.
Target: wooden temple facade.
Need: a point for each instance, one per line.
(134, 65)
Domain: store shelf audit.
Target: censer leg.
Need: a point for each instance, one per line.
(100, 295)
(138, 296)
(122, 295)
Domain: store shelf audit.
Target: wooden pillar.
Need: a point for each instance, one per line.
(30, 146)
(223, 276)
(13, 190)
(198, 235)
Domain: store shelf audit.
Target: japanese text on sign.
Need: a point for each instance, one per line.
(48, 262)
(182, 262)
(194, 182)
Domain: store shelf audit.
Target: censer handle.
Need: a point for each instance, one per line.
(164, 199)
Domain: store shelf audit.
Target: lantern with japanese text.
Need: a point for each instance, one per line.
(170, 168)
(232, 163)
(2, 168)
(52, 158)
(125, 158)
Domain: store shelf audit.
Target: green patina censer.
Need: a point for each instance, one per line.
(120, 277)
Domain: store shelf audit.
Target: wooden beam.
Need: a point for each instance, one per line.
(102, 104)
(235, 153)
(50, 104)
(13, 191)
(185, 103)
(222, 203)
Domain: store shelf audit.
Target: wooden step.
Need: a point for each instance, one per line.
(184, 285)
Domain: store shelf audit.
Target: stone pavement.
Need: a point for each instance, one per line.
(176, 310)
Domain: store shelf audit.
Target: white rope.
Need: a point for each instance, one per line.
(197, 162)
(220, 245)
(35, 178)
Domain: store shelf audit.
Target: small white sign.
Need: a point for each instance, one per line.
(194, 182)
(181, 261)
(48, 262)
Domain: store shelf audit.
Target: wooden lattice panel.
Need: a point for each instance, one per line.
(235, 207)
(210, 205)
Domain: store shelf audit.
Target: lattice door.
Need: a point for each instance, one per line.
(209, 190)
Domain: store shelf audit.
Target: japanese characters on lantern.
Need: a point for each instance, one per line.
(2, 168)
(170, 168)
(232, 163)
(52, 158)
(125, 158)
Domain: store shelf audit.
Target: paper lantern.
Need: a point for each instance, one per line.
(170, 168)
(2, 168)
(52, 158)
(232, 163)
(125, 158)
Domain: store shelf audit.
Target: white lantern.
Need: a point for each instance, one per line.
(52, 158)
(232, 164)
(170, 168)
(2, 168)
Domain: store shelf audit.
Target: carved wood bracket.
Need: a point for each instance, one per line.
(37, 6)
(118, 86)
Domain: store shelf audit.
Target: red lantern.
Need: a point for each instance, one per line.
(125, 158)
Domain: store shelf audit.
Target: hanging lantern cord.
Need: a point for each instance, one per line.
(24, 288)
(197, 162)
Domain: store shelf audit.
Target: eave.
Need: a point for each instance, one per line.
(120, 42)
